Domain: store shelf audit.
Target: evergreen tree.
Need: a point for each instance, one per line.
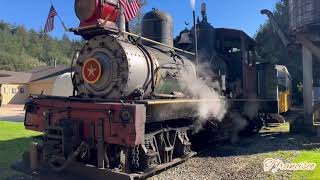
(22, 49)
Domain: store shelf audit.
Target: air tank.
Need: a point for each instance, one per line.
(304, 14)
(158, 26)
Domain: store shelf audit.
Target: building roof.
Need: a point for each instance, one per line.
(37, 74)
(46, 72)
(283, 69)
(234, 34)
(14, 77)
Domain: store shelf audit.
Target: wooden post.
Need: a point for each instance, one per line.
(307, 87)
(34, 161)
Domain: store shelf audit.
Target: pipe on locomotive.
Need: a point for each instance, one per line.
(156, 42)
(123, 32)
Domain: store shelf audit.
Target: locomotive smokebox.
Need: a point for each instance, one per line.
(158, 26)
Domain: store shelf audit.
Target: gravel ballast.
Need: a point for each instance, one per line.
(242, 160)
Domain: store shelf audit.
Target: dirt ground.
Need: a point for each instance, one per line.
(13, 113)
(243, 160)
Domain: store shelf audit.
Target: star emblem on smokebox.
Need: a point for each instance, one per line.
(91, 71)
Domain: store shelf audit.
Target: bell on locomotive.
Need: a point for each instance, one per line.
(113, 67)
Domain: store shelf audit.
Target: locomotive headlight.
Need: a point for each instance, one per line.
(85, 9)
(126, 115)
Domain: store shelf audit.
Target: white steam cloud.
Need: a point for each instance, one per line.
(193, 4)
(63, 86)
(214, 105)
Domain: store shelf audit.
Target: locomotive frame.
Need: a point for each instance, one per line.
(104, 123)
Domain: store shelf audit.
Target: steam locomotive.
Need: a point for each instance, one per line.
(132, 114)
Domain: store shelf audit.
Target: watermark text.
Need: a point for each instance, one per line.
(275, 165)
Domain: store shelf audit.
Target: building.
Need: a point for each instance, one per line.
(16, 87)
(13, 87)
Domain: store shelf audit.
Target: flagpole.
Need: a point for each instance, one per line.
(64, 26)
(121, 19)
(60, 19)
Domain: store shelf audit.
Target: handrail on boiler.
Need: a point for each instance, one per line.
(156, 42)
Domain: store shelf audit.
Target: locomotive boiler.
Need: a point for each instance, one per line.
(108, 68)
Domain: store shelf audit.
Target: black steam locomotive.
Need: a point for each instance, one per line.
(137, 100)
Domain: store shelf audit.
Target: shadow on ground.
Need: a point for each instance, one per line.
(10, 152)
(265, 142)
(18, 118)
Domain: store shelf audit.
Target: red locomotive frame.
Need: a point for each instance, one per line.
(44, 113)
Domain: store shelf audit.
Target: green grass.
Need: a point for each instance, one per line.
(294, 156)
(14, 140)
(312, 156)
(288, 155)
(303, 156)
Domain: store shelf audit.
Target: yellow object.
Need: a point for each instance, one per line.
(283, 102)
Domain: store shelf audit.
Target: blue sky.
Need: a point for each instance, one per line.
(238, 14)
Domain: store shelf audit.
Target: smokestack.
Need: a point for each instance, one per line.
(204, 11)
(193, 4)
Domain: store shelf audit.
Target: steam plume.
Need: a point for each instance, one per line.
(193, 4)
(63, 86)
(212, 105)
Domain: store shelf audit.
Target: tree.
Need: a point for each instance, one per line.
(135, 24)
(270, 48)
(22, 50)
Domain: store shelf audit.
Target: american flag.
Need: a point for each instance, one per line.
(50, 21)
(131, 7)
